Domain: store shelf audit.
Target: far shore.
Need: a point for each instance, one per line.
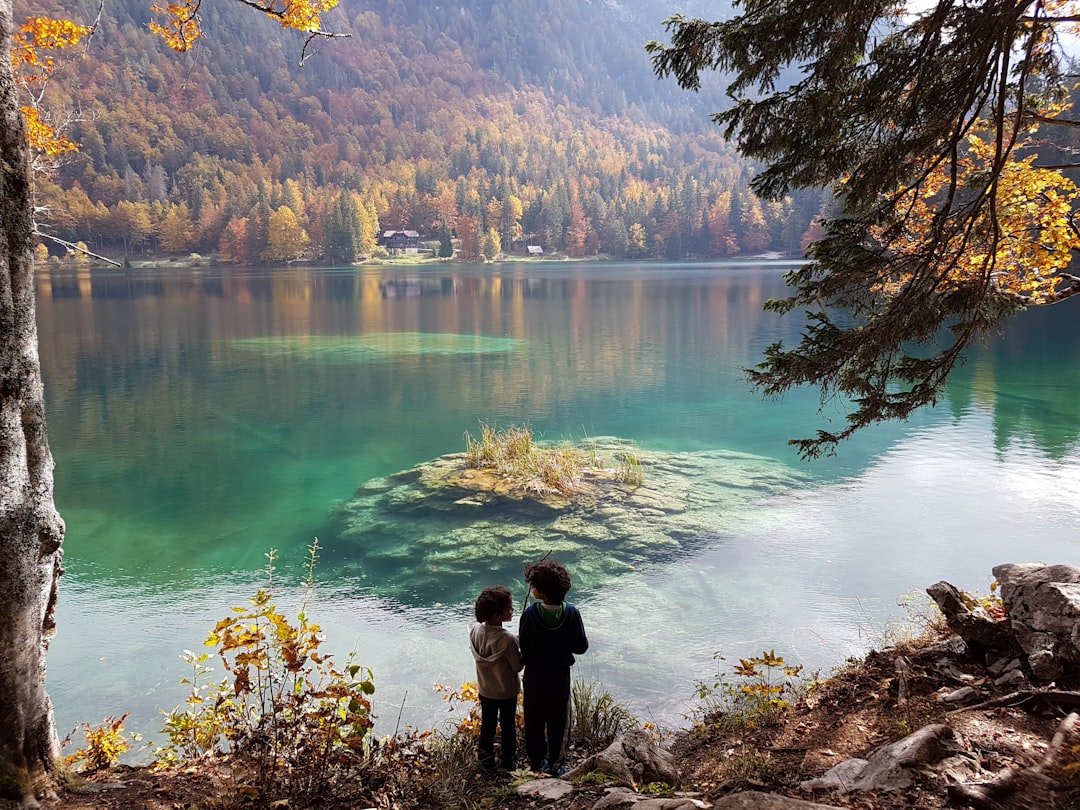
(195, 261)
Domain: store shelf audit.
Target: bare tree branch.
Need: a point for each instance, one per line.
(1044, 119)
(75, 248)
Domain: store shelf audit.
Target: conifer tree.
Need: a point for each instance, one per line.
(920, 119)
(343, 230)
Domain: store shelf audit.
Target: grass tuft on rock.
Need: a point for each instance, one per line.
(512, 454)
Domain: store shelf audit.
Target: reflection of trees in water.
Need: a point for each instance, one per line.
(1029, 380)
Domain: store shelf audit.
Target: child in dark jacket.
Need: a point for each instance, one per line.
(498, 662)
(551, 633)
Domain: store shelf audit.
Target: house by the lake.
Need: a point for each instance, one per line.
(400, 241)
(534, 250)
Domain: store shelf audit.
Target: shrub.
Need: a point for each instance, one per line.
(104, 745)
(295, 725)
(766, 685)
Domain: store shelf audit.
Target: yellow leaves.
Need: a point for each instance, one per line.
(42, 34)
(104, 745)
(302, 15)
(1019, 238)
(470, 692)
(33, 62)
(42, 136)
(469, 695)
(181, 25)
(282, 701)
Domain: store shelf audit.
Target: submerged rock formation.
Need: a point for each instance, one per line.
(440, 527)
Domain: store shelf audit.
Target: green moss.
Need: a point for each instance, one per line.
(14, 781)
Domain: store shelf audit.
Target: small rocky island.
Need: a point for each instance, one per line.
(446, 524)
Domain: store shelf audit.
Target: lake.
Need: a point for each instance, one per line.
(201, 418)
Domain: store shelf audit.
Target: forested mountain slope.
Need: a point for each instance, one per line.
(511, 123)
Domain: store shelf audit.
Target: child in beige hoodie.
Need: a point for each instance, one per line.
(498, 662)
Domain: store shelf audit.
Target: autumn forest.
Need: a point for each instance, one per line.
(491, 126)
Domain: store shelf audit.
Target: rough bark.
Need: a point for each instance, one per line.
(31, 531)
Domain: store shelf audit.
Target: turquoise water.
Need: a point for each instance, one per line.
(200, 418)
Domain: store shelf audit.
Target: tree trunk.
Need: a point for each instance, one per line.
(31, 531)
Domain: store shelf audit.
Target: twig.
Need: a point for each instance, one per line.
(397, 725)
(528, 587)
(76, 248)
(903, 675)
(1045, 697)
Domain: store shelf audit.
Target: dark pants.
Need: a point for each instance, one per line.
(504, 714)
(547, 715)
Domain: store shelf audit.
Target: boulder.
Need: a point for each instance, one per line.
(1042, 605)
(985, 636)
(624, 799)
(755, 800)
(439, 526)
(548, 789)
(893, 766)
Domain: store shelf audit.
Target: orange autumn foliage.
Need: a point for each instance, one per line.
(34, 60)
(34, 52)
(181, 26)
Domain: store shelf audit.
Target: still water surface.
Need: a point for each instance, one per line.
(201, 418)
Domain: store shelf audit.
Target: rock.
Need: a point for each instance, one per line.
(891, 767)
(1041, 627)
(1000, 666)
(965, 694)
(1042, 603)
(548, 789)
(972, 623)
(951, 646)
(841, 776)
(616, 798)
(1014, 677)
(633, 758)
(623, 799)
(755, 800)
(440, 526)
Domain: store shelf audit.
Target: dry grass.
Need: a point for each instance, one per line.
(512, 454)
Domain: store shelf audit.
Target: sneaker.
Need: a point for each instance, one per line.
(557, 771)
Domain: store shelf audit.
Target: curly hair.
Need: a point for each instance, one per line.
(550, 578)
(492, 602)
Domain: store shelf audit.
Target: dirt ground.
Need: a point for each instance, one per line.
(850, 715)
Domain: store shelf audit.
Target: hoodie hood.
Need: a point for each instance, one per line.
(487, 642)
